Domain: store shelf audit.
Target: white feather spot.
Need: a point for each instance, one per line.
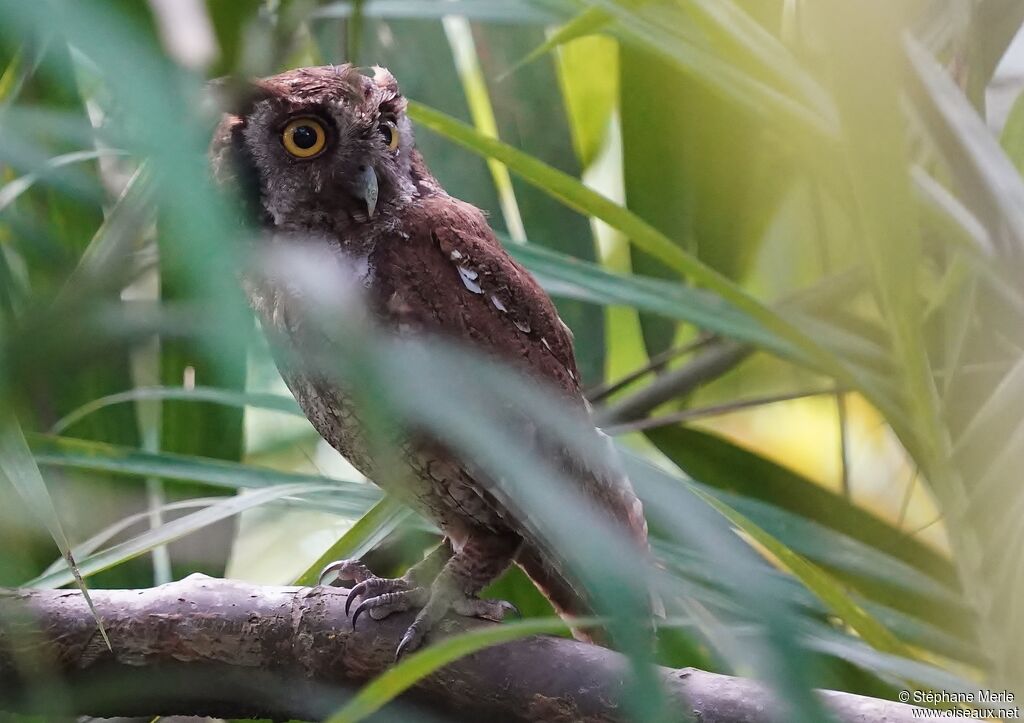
(498, 304)
(469, 278)
(456, 255)
(522, 326)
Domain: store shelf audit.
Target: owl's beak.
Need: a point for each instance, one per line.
(367, 190)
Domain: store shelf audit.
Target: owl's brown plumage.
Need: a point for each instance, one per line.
(325, 157)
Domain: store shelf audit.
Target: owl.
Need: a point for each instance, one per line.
(325, 157)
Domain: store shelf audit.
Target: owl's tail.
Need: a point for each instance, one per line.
(566, 599)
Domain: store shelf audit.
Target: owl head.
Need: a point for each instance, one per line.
(322, 149)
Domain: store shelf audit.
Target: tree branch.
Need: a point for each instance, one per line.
(204, 646)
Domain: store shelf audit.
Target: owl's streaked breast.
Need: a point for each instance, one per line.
(437, 485)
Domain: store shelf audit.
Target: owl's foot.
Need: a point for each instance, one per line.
(442, 600)
(376, 592)
(382, 596)
(481, 559)
(441, 583)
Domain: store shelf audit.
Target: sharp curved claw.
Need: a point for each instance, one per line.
(512, 609)
(355, 592)
(331, 573)
(408, 643)
(360, 609)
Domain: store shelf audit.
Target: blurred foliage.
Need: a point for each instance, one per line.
(796, 202)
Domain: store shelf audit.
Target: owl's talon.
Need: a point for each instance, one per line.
(511, 609)
(334, 572)
(410, 642)
(432, 586)
(373, 587)
(358, 611)
(390, 602)
(493, 610)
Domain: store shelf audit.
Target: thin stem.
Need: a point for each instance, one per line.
(713, 411)
(907, 494)
(844, 445)
(714, 361)
(656, 363)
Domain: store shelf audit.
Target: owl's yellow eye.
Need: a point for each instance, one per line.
(390, 133)
(304, 137)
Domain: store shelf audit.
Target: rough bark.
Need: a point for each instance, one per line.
(204, 646)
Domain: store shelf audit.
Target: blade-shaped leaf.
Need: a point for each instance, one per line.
(576, 195)
(531, 115)
(378, 522)
(175, 529)
(96, 456)
(230, 397)
(717, 462)
(19, 469)
(565, 275)
(403, 676)
(828, 590)
(496, 11)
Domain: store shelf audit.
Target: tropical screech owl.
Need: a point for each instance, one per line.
(326, 156)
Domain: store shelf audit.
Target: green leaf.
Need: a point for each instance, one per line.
(872, 574)
(495, 11)
(738, 36)
(576, 195)
(189, 428)
(95, 542)
(11, 190)
(19, 469)
(704, 578)
(587, 22)
(830, 592)
(531, 115)
(707, 180)
(563, 275)
(660, 28)
(588, 68)
(719, 463)
(231, 20)
(100, 457)
(67, 222)
(228, 397)
(378, 522)
(174, 530)
(419, 665)
(1012, 138)
(974, 156)
(996, 23)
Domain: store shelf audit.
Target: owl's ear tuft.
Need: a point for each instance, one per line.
(385, 80)
(390, 97)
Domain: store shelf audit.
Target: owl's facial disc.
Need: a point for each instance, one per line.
(320, 149)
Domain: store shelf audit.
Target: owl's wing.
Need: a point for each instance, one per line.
(446, 273)
(451, 276)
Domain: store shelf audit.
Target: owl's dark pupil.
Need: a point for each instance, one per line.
(304, 137)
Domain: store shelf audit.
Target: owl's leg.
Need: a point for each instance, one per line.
(441, 583)
(480, 560)
(405, 590)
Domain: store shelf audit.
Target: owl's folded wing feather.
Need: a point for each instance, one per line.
(451, 276)
(446, 273)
